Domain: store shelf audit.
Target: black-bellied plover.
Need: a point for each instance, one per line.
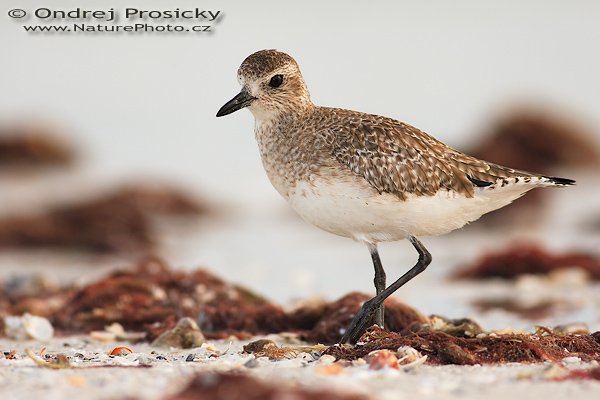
(363, 176)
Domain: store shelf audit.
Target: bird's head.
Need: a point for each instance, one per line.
(271, 85)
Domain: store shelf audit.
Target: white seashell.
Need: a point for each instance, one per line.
(13, 328)
(103, 336)
(37, 328)
(27, 327)
(410, 357)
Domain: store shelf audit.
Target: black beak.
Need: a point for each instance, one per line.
(243, 99)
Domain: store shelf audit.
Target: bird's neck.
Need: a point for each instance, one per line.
(271, 119)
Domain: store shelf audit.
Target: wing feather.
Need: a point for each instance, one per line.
(397, 158)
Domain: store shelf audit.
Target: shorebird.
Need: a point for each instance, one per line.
(366, 177)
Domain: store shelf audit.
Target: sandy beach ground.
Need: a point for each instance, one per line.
(151, 373)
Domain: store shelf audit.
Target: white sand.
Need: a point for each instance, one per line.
(22, 379)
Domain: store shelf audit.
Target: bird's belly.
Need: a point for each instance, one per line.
(359, 212)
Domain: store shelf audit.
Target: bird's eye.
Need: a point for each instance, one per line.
(276, 81)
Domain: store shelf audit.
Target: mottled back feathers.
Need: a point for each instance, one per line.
(397, 158)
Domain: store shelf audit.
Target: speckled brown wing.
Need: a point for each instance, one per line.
(398, 158)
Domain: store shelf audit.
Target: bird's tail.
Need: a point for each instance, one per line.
(559, 181)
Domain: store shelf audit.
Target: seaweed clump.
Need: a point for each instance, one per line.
(118, 222)
(326, 322)
(522, 259)
(442, 348)
(32, 146)
(151, 297)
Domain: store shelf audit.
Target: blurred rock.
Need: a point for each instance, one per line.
(185, 335)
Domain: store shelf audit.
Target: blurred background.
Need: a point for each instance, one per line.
(84, 115)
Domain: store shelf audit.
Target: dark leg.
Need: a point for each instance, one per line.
(379, 282)
(364, 317)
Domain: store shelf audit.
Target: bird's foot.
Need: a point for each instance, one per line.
(362, 320)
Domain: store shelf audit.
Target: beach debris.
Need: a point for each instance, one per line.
(160, 200)
(530, 309)
(442, 348)
(237, 386)
(60, 361)
(28, 327)
(118, 222)
(152, 298)
(9, 355)
(268, 348)
(575, 328)
(404, 356)
(379, 359)
(31, 294)
(410, 357)
(185, 335)
(120, 351)
(259, 346)
(528, 259)
(114, 332)
(33, 145)
(326, 322)
(326, 359)
(462, 327)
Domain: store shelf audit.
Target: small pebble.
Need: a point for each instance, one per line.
(144, 359)
(191, 357)
(251, 363)
(571, 360)
(185, 335)
(259, 346)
